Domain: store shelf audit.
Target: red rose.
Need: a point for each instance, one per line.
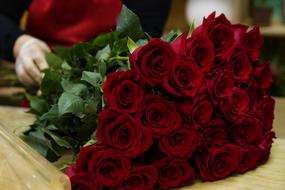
(263, 76)
(174, 172)
(249, 155)
(196, 113)
(247, 130)
(235, 105)
(254, 42)
(218, 163)
(123, 92)
(122, 132)
(220, 32)
(198, 48)
(181, 143)
(140, 178)
(265, 145)
(153, 61)
(106, 165)
(158, 116)
(185, 78)
(240, 65)
(221, 84)
(82, 181)
(214, 134)
(266, 108)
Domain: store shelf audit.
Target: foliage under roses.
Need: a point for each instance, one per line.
(198, 103)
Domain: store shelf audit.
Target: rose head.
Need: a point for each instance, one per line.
(140, 178)
(153, 61)
(106, 165)
(218, 162)
(123, 92)
(181, 143)
(82, 181)
(263, 76)
(264, 146)
(249, 156)
(174, 172)
(158, 116)
(266, 108)
(122, 132)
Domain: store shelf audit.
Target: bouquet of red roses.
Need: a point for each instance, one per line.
(197, 104)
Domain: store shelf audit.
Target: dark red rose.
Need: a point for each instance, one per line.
(266, 108)
(249, 155)
(263, 76)
(221, 84)
(140, 178)
(153, 61)
(254, 42)
(198, 48)
(83, 181)
(265, 145)
(220, 32)
(174, 172)
(247, 130)
(196, 113)
(235, 105)
(123, 92)
(181, 143)
(240, 65)
(214, 134)
(218, 163)
(122, 132)
(158, 116)
(184, 80)
(106, 165)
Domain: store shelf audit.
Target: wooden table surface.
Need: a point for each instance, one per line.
(270, 176)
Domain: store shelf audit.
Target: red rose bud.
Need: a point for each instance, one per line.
(266, 108)
(181, 143)
(122, 132)
(185, 78)
(263, 76)
(218, 162)
(140, 178)
(84, 181)
(153, 61)
(123, 92)
(240, 65)
(158, 116)
(214, 134)
(248, 130)
(249, 155)
(106, 165)
(235, 105)
(174, 172)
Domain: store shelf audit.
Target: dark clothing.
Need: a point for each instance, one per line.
(153, 14)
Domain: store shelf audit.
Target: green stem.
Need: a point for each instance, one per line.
(119, 58)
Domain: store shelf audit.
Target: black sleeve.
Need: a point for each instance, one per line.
(11, 12)
(153, 14)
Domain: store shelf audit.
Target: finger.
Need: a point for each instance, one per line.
(44, 47)
(41, 62)
(23, 76)
(31, 68)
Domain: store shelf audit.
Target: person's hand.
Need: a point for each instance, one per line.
(30, 59)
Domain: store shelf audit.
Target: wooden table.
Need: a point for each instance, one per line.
(270, 176)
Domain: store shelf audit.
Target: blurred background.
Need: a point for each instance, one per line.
(269, 14)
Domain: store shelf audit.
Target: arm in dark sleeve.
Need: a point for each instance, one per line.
(11, 12)
(153, 14)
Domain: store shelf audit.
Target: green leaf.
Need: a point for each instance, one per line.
(53, 60)
(73, 88)
(192, 28)
(131, 45)
(104, 54)
(50, 82)
(57, 139)
(120, 46)
(141, 42)
(129, 24)
(95, 79)
(52, 114)
(171, 36)
(38, 105)
(91, 142)
(66, 66)
(105, 39)
(69, 103)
